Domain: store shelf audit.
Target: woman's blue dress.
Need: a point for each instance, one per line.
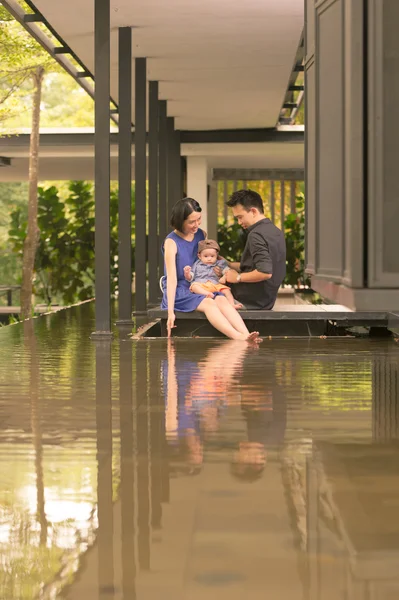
(187, 252)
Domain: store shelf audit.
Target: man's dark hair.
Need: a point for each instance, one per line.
(181, 211)
(246, 472)
(248, 199)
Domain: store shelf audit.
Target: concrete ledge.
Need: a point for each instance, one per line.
(293, 313)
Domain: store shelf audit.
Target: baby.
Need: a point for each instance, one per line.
(202, 275)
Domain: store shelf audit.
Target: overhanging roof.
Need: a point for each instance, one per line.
(221, 65)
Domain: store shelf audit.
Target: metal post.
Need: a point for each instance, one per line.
(140, 178)
(153, 252)
(171, 175)
(125, 175)
(163, 192)
(225, 199)
(293, 197)
(105, 534)
(9, 297)
(272, 201)
(282, 205)
(102, 167)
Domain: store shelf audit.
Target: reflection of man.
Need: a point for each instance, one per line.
(257, 278)
(265, 416)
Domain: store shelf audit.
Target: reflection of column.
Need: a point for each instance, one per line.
(104, 466)
(156, 439)
(127, 467)
(312, 529)
(30, 341)
(143, 479)
(385, 411)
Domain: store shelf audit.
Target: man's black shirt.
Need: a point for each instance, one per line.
(264, 251)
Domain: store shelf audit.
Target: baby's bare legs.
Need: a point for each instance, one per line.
(227, 293)
(197, 288)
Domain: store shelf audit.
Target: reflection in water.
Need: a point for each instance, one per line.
(175, 469)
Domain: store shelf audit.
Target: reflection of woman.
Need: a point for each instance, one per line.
(181, 249)
(195, 393)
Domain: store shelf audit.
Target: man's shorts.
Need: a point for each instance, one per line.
(212, 287)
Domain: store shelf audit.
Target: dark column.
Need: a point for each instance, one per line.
(140, 177)
(178, 167)
(183, 176)
(171, 174)
(102, 166)
(105, 533)
(127, 466)
(163, 180)
(282, 204)
(153, 290)
(125, 174)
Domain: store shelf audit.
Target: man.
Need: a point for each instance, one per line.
(257, 278)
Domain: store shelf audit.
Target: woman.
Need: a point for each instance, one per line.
(180, 250)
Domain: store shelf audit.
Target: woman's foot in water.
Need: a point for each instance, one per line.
(251, 338)
(254, 337)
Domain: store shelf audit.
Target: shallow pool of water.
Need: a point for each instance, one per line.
(196, 468)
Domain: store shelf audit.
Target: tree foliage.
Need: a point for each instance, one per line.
(64, 265)
(294, 229)
(21, 56)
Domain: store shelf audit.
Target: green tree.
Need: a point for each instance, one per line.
(66, 238)
(23, 60)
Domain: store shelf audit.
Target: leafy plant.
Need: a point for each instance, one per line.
(64, 262)
(294, 230)
(231, 239)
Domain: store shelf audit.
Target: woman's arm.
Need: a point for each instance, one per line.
(170, 249)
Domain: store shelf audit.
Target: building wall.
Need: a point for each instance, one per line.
(352, 87)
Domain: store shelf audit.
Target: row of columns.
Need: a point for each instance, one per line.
(165, 177)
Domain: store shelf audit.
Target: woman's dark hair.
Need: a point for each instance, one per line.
(181, 211)
(248, 199)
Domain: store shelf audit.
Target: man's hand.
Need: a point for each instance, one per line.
(170, 323)
(187, 273)
(223, 279)
(231, 276)
(218, 271)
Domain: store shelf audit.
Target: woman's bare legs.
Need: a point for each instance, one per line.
(218, 320)
(232, 315)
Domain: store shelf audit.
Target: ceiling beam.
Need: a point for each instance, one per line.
(222, 136)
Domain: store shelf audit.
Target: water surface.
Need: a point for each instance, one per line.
(196, 468)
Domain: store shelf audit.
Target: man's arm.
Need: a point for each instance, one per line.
(234, 265)
(261, 260)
